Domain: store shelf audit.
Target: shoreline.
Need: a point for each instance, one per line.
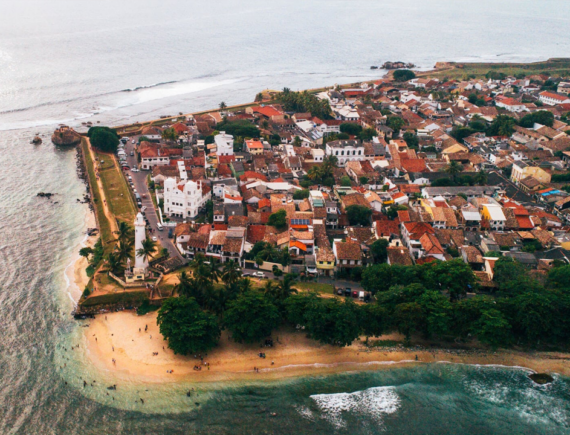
(116, 336)
(75, 272)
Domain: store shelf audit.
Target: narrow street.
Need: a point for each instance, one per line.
(139, 180)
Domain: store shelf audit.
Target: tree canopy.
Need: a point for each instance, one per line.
(104, 139)
(186, 327)
(403, 75)
(251, 317)
(278, 219)
(304, 102)
(358, 215)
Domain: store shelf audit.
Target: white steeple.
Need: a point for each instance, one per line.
(140, 235)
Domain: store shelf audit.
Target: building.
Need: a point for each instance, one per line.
(185, 199)
(345, 151)
(521, 170)
(493, 213)
(224, 144)
(552, 98)
(253, 147)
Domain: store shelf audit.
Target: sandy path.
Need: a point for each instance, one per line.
(116, 336)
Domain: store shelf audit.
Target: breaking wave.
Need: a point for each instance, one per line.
(373, 403)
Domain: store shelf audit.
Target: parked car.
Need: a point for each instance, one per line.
(132, 153)
(258, 274)
(339, 291)
(354, 294)
(159, 226)
(347, 292)
(154, 238)
(144, 208)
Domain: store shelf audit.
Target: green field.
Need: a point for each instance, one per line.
(117, 191)
(455, 70)
(116, 298)
(315, 286)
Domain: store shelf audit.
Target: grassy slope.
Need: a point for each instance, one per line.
(454, 70)
(116, 190)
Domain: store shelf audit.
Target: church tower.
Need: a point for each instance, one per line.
(140, 235)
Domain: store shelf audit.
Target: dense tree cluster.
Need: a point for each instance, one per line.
(104, 138)
(430, 299)
(403, 75)
(239, 129)
(304, 102)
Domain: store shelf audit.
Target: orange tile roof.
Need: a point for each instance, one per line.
(297, 244)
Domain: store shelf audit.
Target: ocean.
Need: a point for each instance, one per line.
(64, 61)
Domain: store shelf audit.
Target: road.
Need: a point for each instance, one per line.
(322, 280)
(139, 180)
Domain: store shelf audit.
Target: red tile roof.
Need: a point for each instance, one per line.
(413, 165)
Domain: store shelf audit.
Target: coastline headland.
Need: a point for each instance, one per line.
(117, 343)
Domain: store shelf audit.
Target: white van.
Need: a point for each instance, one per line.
(159, 226)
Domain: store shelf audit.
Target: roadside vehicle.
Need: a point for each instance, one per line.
(133, 141)
(354, 294)
(159, 226)
(339, 291)
(154, 238)
(143, 209)
(347, 292)
(170, 233)
(258, 274)
(132, 153)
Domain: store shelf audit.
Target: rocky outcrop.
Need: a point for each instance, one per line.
(65, 136)
(397, 65)
(37, 140)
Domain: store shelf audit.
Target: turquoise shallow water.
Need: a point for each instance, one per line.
(66, 61)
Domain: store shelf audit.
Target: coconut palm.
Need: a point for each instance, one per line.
(231, 272)
(453, 169)
(113, 263)
(244, 285)
(188, 287)
(223, 105)
(124, 232)
(147, 250)
(124, 250)
(285, 288)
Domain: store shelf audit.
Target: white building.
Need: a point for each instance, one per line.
(345, 151)
(141, 263)
(184, 199)
(224, 144)
(318, 155)
(552, 98)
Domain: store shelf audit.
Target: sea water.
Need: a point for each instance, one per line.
(122, 61)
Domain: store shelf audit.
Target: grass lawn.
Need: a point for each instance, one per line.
(107, 237)
(554, 67)
(117, 191)
(115, 298)
(315, 286)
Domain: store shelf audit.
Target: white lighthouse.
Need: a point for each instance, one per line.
(141, 263)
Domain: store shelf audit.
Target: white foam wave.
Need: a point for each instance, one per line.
(328, 365)
(373, 403)
(152, 93)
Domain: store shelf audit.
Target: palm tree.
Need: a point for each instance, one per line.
(113, 262)
(124, 250)
(147, 250)
(124, 231)
(314, 173)
(453, 169)
(222, 105)
(481, 177)
(285, 287)
(188, 287)
(231, 272)
(244, 285)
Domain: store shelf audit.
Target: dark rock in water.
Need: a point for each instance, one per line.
(373, 67)
(45, 195)
(37, 140)
(541, 378)
(66, 136)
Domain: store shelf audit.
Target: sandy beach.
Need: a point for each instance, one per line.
(116, 336)
(77, 274)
